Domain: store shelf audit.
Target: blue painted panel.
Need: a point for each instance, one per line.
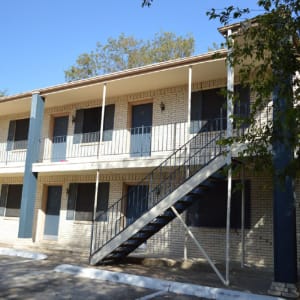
(52, 210)
(140, 144)
(137, 202)
(30, 178)
(59, 140)
(284, 208)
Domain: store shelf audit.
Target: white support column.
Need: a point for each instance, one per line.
(96, 194)
(188, 231)
(98, 154)
(189, 102)
(229, 187)
(230, 89)
(185, 250)
(95, 210)
(190, 74)
(102, 119)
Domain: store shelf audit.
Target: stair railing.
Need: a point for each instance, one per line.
(199, 151)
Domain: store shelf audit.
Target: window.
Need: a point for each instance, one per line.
(242, 105)
(17, 134)
(210, 105)
(81, 201)
(10, 200)
(88, 123)
(210, 210)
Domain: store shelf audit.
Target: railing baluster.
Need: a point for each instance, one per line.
(202, 144)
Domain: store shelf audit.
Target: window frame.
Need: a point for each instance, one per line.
(205, 207)
(8, 209)
(16, 128)
(198, 113)
(77, 190)
(84, 135)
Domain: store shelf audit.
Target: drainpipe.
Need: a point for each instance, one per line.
(230, 88)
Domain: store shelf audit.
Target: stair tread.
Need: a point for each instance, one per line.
(153, 226)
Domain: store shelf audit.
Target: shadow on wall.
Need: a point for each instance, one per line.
(76, 236)
(169, 242)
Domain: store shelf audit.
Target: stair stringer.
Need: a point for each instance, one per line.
(159, 208)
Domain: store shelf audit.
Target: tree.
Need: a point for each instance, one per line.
(147, 3)
(266, 53)
(215, 46)
(127, 52)
(266, 49)
(3, 93)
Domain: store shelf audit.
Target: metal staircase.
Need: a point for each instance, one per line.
(179, 181)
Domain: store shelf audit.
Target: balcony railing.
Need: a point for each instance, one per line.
(125, 143)
(13, 152)
(154, 141)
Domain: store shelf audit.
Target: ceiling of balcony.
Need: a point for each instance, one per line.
(124, 85)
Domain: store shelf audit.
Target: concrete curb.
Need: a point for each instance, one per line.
(161, 285)
(22, 253)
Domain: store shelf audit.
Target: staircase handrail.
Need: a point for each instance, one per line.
(115, 227)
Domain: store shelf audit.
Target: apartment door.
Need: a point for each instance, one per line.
(140, 144)
(52, 212)
(59, 139)
(137, 202)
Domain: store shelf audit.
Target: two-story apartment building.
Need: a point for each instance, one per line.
(139, 140)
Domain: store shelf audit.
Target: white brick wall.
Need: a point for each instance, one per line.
(258, 239)
(9, 226)
(170, 241)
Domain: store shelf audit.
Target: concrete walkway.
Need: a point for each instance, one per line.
(160, 284)
(189, 278)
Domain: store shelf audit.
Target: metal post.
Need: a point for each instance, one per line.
(189, 115)
(230, 88)
(229, 187)
(94, 212)
(243, 218)
(188, 231)
(185, 254)
(96, 195)
(98, 171)
(188, 135)
(189, 102)
(102, 119)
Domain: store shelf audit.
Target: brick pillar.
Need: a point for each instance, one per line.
(30, 178)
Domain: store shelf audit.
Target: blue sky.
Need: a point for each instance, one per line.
(42, 38)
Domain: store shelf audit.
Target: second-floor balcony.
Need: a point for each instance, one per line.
(139, 142)
(124, 144)
(130, 143)
(12, 154)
